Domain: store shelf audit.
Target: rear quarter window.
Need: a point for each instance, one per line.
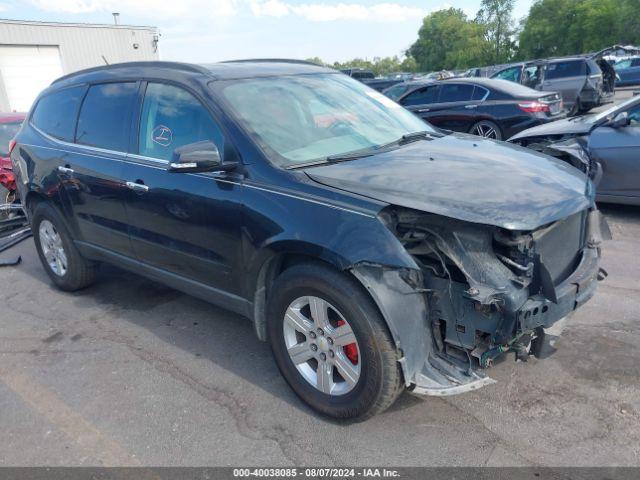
(55, 113)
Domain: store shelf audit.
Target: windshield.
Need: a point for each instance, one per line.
(306, 118)
(7, 132)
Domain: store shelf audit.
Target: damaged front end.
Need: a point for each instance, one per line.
(573, 150)
(481, 291)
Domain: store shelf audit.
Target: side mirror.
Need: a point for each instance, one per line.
(620, 120)
(198, 157)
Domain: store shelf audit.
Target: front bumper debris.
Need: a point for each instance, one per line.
(474, 299)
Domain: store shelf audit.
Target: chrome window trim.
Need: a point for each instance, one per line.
(127, 157)
(75, 145)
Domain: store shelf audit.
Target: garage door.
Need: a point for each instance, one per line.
(26, 70)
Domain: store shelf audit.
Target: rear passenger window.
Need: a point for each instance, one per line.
(422, 96)
(171, 118)
(105, 116)
(565, 69)
(452, 92)
(56, 113)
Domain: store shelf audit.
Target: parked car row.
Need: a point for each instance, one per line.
(374, 252)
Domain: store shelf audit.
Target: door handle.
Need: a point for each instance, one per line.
(66, 170)
(422, 110)
(471, 106)
(137, 187)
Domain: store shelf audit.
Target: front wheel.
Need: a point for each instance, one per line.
(331, 344)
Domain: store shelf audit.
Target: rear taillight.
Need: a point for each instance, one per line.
(533, 107)
(12, 144)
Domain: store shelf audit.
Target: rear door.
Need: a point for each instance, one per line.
(617, 151)
(456, 108)
(568, 78)
(187, 224)
(85, 157)
(93, 173)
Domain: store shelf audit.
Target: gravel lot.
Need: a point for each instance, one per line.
(129, 372)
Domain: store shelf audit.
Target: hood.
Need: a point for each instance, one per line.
(468, 178)
(566, 126)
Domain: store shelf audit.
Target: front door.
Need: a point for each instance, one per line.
(186, 224)
(617, 151)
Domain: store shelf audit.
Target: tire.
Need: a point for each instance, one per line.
(486, 129)
(5, 197)
(69, 271)
(379, 378)
(575, 110)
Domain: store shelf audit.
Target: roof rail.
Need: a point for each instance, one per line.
(187, 67)
(272, 60)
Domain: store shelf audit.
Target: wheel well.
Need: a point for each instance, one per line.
(268, 273)
(276, 266)
(30, 202)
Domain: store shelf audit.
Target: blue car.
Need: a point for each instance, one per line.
(627, 71)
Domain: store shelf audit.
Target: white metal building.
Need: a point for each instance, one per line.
(33, 54)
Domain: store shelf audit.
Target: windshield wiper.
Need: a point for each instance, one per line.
(367, 152)
(412, 137)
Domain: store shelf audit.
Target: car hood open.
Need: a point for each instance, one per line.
(567, 126)
(468, 178)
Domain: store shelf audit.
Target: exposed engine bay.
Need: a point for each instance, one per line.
(491, 290)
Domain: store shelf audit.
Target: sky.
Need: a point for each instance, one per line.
(212, 30)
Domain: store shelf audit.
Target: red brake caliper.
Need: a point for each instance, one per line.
(351, 350)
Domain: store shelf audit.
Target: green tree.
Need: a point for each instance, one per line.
(568, 27)
(447, 39)
(495, 16)
(379, 65)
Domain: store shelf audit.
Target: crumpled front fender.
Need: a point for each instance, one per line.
(403, 304)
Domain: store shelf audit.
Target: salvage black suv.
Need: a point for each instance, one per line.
(374, 252)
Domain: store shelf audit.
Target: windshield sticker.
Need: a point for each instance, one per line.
(162, 135)
(384, 100)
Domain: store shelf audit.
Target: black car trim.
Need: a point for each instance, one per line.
(205, 292)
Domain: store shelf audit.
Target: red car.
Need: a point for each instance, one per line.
(9, 126)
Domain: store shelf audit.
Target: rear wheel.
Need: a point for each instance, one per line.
(486, 129)
(59, 256)
(575, 110)
(331, 344)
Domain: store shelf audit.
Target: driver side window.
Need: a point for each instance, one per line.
(171, 118)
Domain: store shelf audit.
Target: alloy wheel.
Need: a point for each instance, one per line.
(52, 248)
(485, 130)
(322, 345)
